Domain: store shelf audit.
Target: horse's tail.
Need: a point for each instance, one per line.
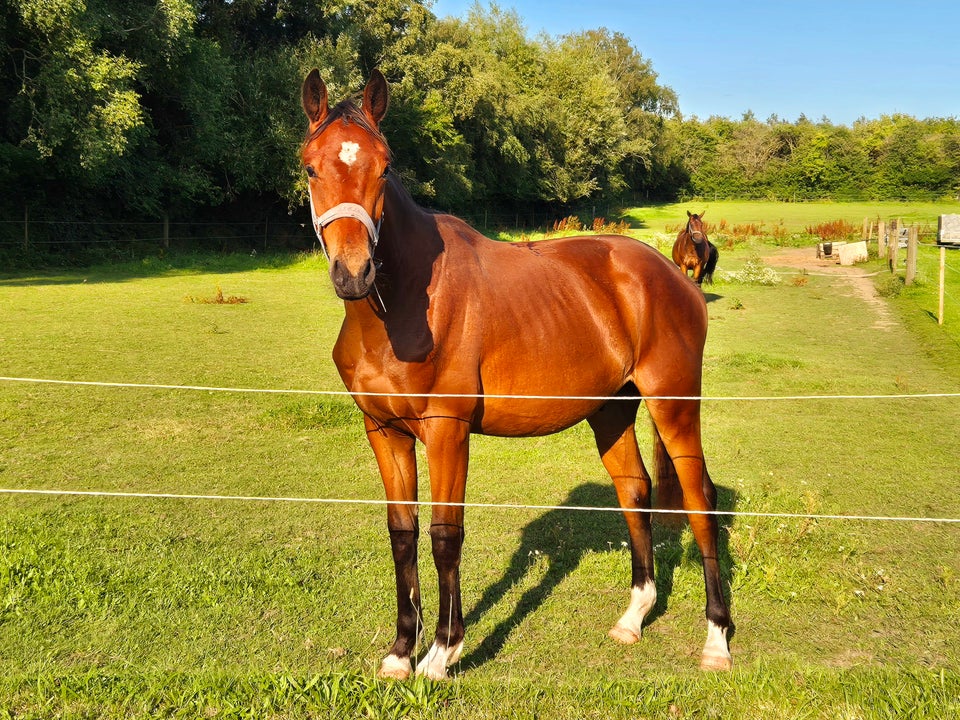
(713, 256)
(669, 493)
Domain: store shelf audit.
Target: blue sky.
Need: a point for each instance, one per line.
(841, 60)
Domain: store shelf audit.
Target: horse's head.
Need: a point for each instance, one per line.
(346, 159)
(695, 226)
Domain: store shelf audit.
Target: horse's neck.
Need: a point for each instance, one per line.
(409, 245)
(407, 231)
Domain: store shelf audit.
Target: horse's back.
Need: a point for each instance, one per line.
(615, 277)
(575, 317)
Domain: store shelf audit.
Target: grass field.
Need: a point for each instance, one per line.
(795, 217)
(158, 607)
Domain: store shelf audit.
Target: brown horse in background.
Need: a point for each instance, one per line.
(448, 333)
(693, 251)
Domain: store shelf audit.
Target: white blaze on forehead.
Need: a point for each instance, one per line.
(348, 152)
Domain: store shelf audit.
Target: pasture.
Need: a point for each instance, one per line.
(793, 217)
(186, 607)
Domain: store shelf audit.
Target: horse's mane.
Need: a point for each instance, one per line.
(349, 112)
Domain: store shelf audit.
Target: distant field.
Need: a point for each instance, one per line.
(657, 224)
(794, 216)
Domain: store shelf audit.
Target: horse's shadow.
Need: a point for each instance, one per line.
(561, 538)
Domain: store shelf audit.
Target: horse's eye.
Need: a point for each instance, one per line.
(386, 171)
(311, 172)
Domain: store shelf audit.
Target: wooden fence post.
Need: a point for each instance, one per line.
(912, 241)
(881, 238)
(943, 264)
(166, 231)
(893, 244)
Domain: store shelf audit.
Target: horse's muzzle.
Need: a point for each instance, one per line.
(353, 286)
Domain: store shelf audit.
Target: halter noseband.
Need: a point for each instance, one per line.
(347, 210)
(693, 233)
(344, 210)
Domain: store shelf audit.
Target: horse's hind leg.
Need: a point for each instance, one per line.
(613, 428)
(678, 424)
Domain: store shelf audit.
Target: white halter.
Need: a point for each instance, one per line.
(347, 210)
(344, 210)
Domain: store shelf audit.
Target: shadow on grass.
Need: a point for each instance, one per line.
(564, 537)
(160, 266)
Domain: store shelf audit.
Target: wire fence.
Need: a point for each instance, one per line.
(276, 229)
(71, 236)
(496, 506)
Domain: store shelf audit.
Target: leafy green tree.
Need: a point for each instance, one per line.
(73, 112)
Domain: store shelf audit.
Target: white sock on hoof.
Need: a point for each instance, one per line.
(435, 663)
(395, 667)
(629, 627)
(716, 654)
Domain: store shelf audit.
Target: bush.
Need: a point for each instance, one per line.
(834, 231)
(754, 272)
(888, 285)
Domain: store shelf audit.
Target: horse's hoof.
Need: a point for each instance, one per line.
(716, 662)
(435, 663)
(716, 653)
(623, 635)
(394, 668)
(433, 673)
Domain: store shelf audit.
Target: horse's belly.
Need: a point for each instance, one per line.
(530, 416)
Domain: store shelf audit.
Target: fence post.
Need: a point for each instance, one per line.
(881, 238)
(867, 226)
(943, 264)
(166, 231)
(912, 241)
(893, 244)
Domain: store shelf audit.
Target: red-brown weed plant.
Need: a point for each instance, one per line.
(217, 299)
(572, 223)
(725, 235)
(834, 230)
(569, 223)
(600, 225)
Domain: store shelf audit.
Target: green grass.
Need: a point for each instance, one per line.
(115, 607)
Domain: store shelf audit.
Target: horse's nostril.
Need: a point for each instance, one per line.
(369, 270)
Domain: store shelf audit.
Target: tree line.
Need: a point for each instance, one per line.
(190, 108)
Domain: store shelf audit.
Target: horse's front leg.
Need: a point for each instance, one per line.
(447, 443)
(397, 460)
(698, 273)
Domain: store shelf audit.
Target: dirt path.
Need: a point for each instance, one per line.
(857, 279)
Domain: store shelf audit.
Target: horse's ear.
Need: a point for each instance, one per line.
(376, 97)
(702, 214)
(313, 97)
(688, 214)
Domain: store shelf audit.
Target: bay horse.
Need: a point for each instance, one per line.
(448, 333)
(693, 251)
